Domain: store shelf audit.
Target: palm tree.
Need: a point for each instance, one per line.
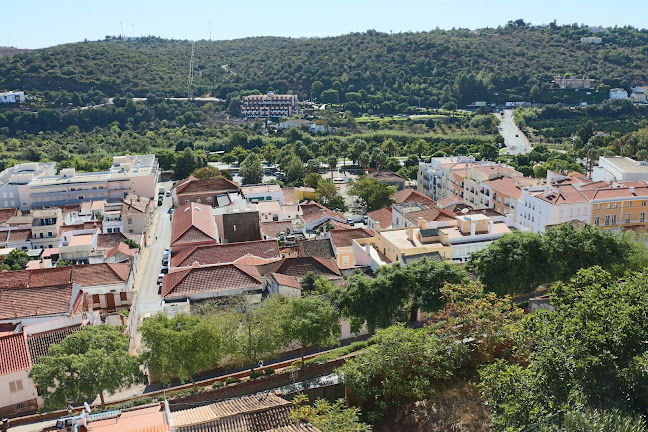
(379, 157)
(390, 146)
(364, 159)
(642, 155)
(344, 148)
(332, 163)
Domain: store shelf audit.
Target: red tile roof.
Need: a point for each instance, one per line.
(226, 253)
(19, 235)
(211, 186)
(384, 216)
(289, 281)
(272, 229)
(208, 279)
(299, 266)
(28, 302)
(7, 213)
(312, 211)
(430, 215)
(563, 194)
(109, 240)
(410, 195)
(505, 185)
(101, 274)
(289, 196)
(14, 279)
(14, 355)
(344, 238)
(137, 204)
(39, 343)
(123, 248)
(50, 276)
(193, 223)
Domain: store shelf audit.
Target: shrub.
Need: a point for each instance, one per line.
(218, 384)
(269, 371)
(255, 374)
(232, 380)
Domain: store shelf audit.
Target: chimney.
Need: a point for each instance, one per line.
(472, 228)
(368, 248)
(410, 233)
(421, 222)
(490, 226)
(377, 226)
(632, 190)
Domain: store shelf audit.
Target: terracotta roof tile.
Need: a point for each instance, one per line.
(136, 203)
(123, 248)
(316, 248)
(409, 195)
(430, 215)
(289, 281)
(312, 211)
(208, 279)
(14, 279)
(289, 196)
(101, 274)
(384, 216)
(231, 408)
(19, 235)
(272, 229)
(193, 223)
(344, 238)
(299, 266)
(505, 185)
(226, 253)
(50, 276)
(109, 240)
(27, 302)
(39, 343)
(562, 194)
(7, 213)
(14, 355)
(213, 186)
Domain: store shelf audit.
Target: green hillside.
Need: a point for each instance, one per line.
(436, 66)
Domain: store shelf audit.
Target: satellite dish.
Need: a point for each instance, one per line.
(464, 211)
(87, 407)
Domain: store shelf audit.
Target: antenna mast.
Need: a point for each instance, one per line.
(190, 78)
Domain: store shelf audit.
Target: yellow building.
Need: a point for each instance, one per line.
(618, 207)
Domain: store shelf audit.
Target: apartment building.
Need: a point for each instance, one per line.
(619, 206)
(269, 105)
(36, 185)
(619, 168)
(573, 83)
(45, 228)
(443, 176)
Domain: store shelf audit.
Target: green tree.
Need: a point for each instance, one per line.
(255, 331)
(515, 263)
(180, 347)
(210, 172)
(63, 263)
(585, 131)
(311, 321)
(316, 88)
(374, 194)
(252, 169)
(90, 362)
(327, 416)
(294, 169)
(186, 163)
(331, 160)
(312, 180)
(402, 365)
(234, 108)
(16, 260)
(330, 96)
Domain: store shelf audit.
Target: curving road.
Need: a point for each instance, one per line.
(515, 141)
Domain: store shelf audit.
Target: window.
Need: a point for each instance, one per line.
(613, 219)
(109, 230)
(15, 386)
(607, 220)
(116, 230)
(642, 217)
(643, 203)
(268, 198)
(627, 218)
(616, 205)
(197, 199)
(49, 234)
(345, 260)
(597, 221)
(130, 220)
(609, 205)
(41, 235)
(123, 296)
(95, 299)
(630, 204)
(598, 207)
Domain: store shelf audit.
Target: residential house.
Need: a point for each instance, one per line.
(276, 230)
(247, 253)
(16, 238)
(388, 177)
(282, 277)
(147, 418)
(45, 227)
(382, 217)
(551, 204)
(639, 94)
(198, 282)
(342, 243)
(448, 240)
(274, 211)
(12, 97)
(262, 192)
(136, 214)
(108, 286)
(595, 40)
(193, 224)
(316, 248)
(409, 213)
(214, 192)
(79, 246)
(298, 194)
(410, 195)
(18, 394)
(8, 213)
(313, 215)
(618, 93)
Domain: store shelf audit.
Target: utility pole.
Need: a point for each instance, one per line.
(190, 78)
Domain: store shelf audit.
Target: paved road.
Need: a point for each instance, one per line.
(515, 141)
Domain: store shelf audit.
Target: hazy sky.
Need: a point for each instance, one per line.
(41, 23)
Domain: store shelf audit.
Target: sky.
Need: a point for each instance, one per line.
(42, 23)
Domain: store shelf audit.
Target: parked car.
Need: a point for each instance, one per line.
(159, 203)
(365, 219)
(160, 277)
(168, 193)
(350, 222)
(159, 289)
(165, 262)
(165, 269)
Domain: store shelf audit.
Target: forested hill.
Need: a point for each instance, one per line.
(439, 65)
